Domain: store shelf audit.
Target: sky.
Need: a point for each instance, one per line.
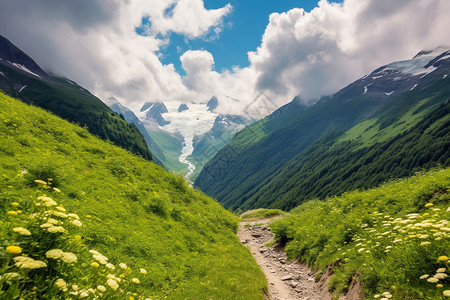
(190, 50)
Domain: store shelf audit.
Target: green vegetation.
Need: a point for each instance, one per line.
(329, 168)
(75, 104)
(395, 237)
(344, 142)
(131, 211)
(171, 149)
(262, 213)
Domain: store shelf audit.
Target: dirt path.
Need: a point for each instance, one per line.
(286, 279)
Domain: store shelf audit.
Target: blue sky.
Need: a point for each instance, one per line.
(242, 32)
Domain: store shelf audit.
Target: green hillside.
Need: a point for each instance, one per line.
(133, 216)
(170, 149)
(348, 141)
(394, 238)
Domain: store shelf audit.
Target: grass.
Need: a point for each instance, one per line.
(369, 133)
(394, 237)
(262, 213)
(131, 211)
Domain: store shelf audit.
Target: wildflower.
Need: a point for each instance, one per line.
(57, 190)
(12, 213)
(15, 204)
(54, 253)
(95, 264)
(439, 285)
(61, 284)
(135, 280)
(143, 271)
(101, 288)
(446, 293)
(40, 182)
(75, 287)
(55, 229)
(425, 214)
(11, 276)
(423, 236)
(424, 276)
(74, 216)
(60, 214)
(110, 266)
(361, 250)
(442, 258)
(14, 249)
(93, 252)
(441, 270)
(123, 266)
(18, 212)
(433, 279)
(112, 284)
(69, 257)
(100, 258)
(429, 204)
(84, 294)
(46, 225)
(47, 201)
(22, 231)
(76, 223)
(28, 263)
(425, 243)
(440, 275)
(60, 208)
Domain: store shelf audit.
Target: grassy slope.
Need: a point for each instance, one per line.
(132, 210)
(171, 148)
(390, 236)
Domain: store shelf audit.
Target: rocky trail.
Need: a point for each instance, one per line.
(286, 279)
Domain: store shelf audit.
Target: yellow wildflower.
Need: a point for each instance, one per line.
(433, 279)
(442, 258)
(22, 231)
(54, 253)
(55, 229)
(15, 204)
(143, 271)
(57, 190)
(28, 263)
(18, 212)
(135, 280)
(76, 223)
(69, 257)
(439, 285)
(40, 182)
(14, 249)
(101, 288)
(112, 284)
(95, 264)
(12, 213)
(61, 284)
(123, 266)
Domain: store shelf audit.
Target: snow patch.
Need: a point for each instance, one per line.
(376, 77)
(22, 88)
(416, 66)
(23, 68)
(388, 94)
(444, 76)
(413, 87)
(1, 73)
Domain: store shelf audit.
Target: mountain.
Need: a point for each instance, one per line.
(182, 107)
(207, 145)
(129, 209)
(22, 78)
(212, 104)
(153, 112)
(129, 116)
(387, 124)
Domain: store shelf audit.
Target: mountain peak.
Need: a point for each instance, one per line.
(12, 55)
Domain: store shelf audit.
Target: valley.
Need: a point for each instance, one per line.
(237, 150)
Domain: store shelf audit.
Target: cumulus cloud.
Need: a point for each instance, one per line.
(316, 53)
(306, 54)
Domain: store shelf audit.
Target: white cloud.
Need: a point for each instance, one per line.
(309, 54)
